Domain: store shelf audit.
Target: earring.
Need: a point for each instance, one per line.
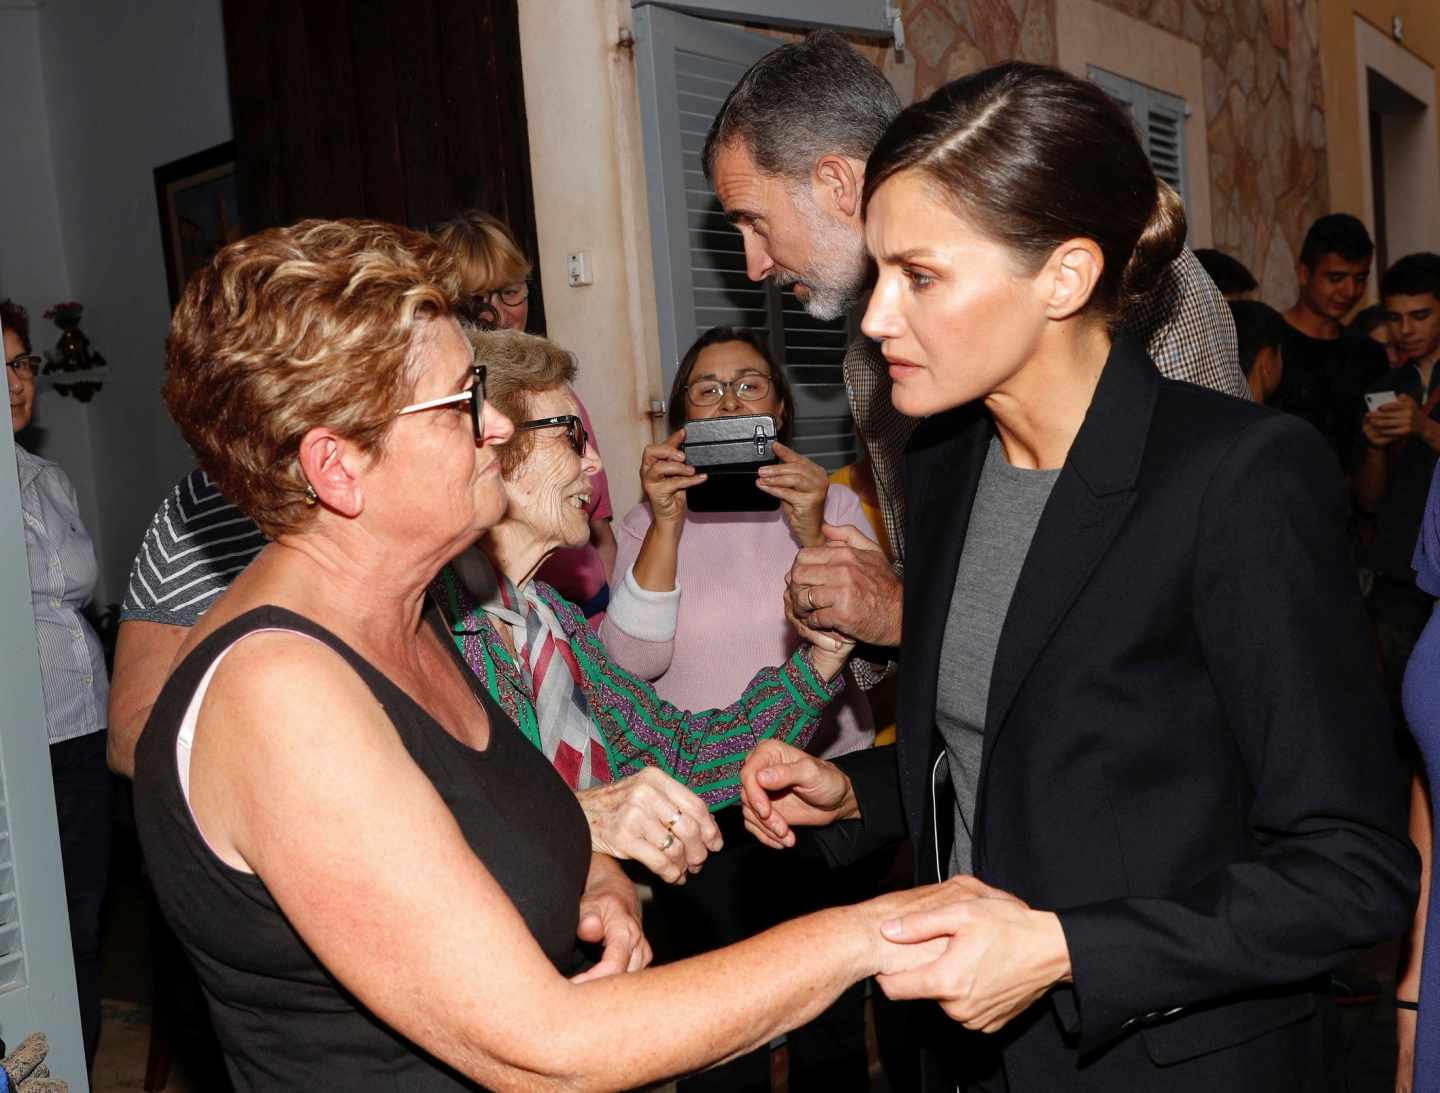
(310, 497)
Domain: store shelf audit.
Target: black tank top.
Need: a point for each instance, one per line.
(283, 1021)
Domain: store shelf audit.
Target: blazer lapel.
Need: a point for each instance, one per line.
(942, 473)
(1088, 506)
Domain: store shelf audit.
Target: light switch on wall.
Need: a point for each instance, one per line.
(579, 269)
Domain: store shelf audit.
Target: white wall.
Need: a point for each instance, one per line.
(96, 95)
(128, 87)
(33, 270)
(588, 168)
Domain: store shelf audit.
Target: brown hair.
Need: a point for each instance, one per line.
(16, 318)
(293, 328)
(1033, 156)
(518, 367)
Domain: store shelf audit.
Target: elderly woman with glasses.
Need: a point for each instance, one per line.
(197, 542)
(628, 753)
(378, 878)
(72, 671)
(494, 279)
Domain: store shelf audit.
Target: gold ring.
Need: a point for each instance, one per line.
(669, 841)
(673, 820)
(809, 601)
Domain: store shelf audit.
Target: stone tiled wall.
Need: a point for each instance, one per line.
(1264, 108)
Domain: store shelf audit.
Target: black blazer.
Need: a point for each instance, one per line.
(1187, 752)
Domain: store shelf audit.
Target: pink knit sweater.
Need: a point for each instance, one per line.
(702, 643)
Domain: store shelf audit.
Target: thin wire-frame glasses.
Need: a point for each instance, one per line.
(477, 404)
(574, 429)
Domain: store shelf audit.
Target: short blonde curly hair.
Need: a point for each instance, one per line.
(294, 328)
(517, 368)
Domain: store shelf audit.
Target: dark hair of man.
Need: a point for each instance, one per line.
(1032, 156)
(1414, 275)
(718, 335)
(802, 101)
(1257, 326)
(1229, 274)
(1338, 233)
(14, 317)
(1367, 319)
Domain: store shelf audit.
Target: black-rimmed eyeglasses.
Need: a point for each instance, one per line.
(512, 295)
(474, 395)
(26, 365)
(574, 429)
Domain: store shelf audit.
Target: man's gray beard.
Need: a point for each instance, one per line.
(838, 262)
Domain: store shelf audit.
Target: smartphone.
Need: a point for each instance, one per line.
(1376, 399)
(730, 450)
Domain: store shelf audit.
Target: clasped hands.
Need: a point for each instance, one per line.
(844, 589)
(1000, 955)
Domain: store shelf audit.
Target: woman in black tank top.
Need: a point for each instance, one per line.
(380, 882)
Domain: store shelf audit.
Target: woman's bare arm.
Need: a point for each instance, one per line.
(310, 787)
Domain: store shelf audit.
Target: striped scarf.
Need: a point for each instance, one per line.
(559, 720)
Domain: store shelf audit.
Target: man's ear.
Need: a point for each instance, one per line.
(1302, 272)
(332, 466)
(838, 183)
(1070, 277)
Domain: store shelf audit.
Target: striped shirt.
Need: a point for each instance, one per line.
(61, 559)
(195, 546)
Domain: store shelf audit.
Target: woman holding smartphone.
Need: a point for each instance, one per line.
(698, 598)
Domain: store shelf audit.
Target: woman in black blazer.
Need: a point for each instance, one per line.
(1132, 639)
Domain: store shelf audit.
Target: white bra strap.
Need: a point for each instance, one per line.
(185, 740)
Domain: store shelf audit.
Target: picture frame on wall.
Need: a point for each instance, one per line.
(198, 197)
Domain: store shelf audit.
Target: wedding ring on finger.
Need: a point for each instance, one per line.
(669, 841)
(809, 603)
(672, 821)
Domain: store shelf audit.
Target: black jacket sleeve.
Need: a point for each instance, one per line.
(873, 773)
(1285, 641)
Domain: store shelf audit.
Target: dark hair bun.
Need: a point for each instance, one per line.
(1160, 243)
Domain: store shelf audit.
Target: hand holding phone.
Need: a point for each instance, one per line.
(1376, 399)
(729, 451)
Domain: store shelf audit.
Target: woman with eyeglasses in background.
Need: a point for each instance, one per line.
(698, 607)
(72, 672)
(495, 273)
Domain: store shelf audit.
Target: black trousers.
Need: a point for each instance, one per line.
(84, 791)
